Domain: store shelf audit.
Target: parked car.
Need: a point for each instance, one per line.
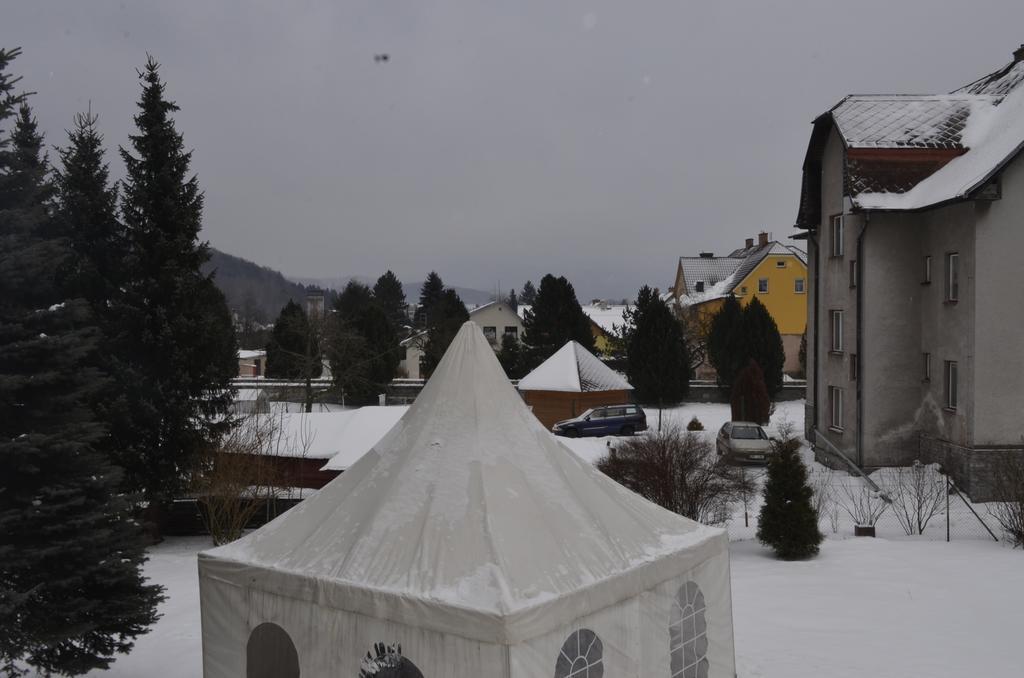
(743, 442)
(608, 420)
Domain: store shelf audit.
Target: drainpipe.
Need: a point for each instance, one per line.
(860, 339)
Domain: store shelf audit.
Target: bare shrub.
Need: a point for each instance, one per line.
(918, 493)
(824, 499)
(1008, 489)
(244, 472)
(695, 425)
(678, 471)
(864, 505)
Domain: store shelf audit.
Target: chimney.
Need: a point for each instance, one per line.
(707, 255)
(750, 243)
(1018, 54)
(762, 239)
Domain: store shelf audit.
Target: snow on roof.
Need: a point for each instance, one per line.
(994, 134)
(246, 354)
(904, 120)
(999, 83)
(342, 437)
(468, 515)
(574, 369)
(365, 428)
(249, 394)
(607, 317)
(740, 269)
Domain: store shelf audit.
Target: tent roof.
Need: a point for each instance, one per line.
(575, 369)
(468, 518)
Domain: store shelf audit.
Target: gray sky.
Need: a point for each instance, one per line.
(502, 140)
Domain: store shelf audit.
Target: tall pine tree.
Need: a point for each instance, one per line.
(293, 351)
(445, 319)
(788, 522)
(555, 318)
(71, 592)
(174, 336)
(529, 293)
(389, 294)
(430, 294)
(363, 345)
(763, 343)
(657, 362)
(725, 346)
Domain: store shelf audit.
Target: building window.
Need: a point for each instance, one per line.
(698, 286)
(927, 271)
(798, 285)
(837, 235)
(952, 276)
(762, 285)
(581, 656)
(927, 366)
(491, 334)
(853, 273)
(688, 633)
(780, 263)
(835, 399)
(951, 385)
(854, 367)
(743, 290)
(836, 321)
(513, 330)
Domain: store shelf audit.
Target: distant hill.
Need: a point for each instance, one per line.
(471, 297)
(252, 289)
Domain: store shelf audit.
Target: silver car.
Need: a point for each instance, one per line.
(743, 442)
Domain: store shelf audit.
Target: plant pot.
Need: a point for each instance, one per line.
(863, 530)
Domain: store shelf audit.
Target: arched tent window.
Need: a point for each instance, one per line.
(581, 656)
(387, 661)
(270, 653)
(688, 634)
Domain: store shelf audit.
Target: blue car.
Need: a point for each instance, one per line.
(608, 420)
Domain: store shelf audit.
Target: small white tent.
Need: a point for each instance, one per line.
(473, 539)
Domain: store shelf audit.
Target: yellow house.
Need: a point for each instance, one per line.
(773, 272)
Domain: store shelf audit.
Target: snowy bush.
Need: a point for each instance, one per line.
(680, 472)
(824, 499)
(1008, 487)
(862, 502)
(918, 493)
(695, 424)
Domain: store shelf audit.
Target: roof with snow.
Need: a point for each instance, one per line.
(931, 149)
(606, 316)
(469, 518)
(574, 369)
(722, 275)
(341, 437)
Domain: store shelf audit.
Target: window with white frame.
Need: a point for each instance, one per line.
(798, 286)
(837, 235)
(952, 276)
(836, 321)
(780, 263)
(762, 285)
(835, 399)
(491, 333)
(951, 385)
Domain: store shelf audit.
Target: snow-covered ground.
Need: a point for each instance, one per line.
(894, 607)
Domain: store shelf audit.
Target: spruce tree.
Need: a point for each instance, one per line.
(512, 300)
(175, 339)
(555, 318)
(71, 592)
(510, 356)
(657, 361)
(293, 351)
(725, 346)
(529, 294)
(446, 317)
(430, 294)
(749, 400)
(353, 300)
(788, 521)
(363, 345)
(762, 343)
(389, 294)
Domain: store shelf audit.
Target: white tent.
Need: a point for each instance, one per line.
(575, 369)
(473, 539)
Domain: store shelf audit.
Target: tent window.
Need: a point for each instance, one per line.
(581, 656)
(387, 661)
(270, 653)
(688, 634)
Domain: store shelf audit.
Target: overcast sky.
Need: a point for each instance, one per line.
(502, 139)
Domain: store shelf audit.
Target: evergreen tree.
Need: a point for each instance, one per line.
(749, 400)
(762, 343)
(430, 294)
(657, 362)
(512, 300)
(788, 521)
(174, 338)
(445, 319)
(293, 351)
(529, 294)
(725, 345)
(510, 356)
(353, 300)
(389, 294)
(364, 345)
(803, 353)
(555, 318)
(71, 592)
